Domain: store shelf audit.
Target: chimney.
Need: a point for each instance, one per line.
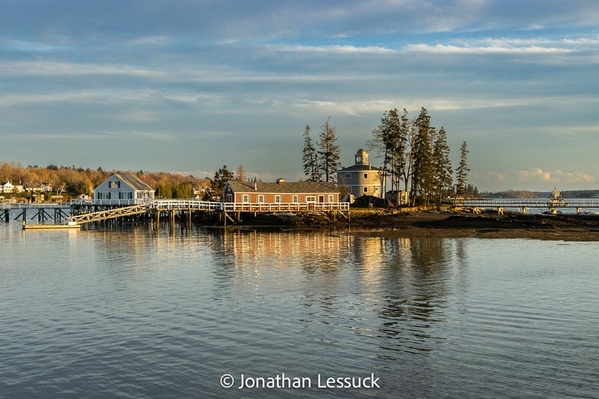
(255, 186)
(281, 181)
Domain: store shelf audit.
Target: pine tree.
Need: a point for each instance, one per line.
(390, 138)
(423, 172)
(329, 153)
(221, 177)
(310, 158)
(462, 170)
(442, 165)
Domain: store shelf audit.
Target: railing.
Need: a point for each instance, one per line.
(186, 204)
(529, 203)
(192, 205)
(35, 205)
(112, 202)
(285, 207)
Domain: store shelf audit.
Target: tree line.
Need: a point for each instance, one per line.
(71, 181)
(415, 156)
(321, 163)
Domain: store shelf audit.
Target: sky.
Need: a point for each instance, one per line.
(190, 86)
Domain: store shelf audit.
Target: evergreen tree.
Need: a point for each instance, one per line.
(310, 158)
(221, 177)
(423, 172)
(329, 153)
(392, 139)
(442, 165)
(462, 170)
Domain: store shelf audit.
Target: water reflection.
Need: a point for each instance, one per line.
(403, 282)
(415, 290)
(135, 313)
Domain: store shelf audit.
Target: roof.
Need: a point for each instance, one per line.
(287, 187)
(359, 167)
(134, 181)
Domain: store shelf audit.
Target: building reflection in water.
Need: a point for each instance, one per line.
(395, 288)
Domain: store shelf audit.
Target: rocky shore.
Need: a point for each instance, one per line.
(489, 225)
(422, 224)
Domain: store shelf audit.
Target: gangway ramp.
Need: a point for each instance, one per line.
(110, 214)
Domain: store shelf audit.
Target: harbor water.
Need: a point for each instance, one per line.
(132, 313)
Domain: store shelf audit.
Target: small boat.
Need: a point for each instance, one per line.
(555, 201)
(69, 226)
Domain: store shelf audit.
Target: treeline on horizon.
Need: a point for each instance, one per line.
(72, 181)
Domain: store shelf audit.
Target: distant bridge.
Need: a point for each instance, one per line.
(526, 204)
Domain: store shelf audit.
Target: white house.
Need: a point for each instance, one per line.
(6, 187)
(123, 188)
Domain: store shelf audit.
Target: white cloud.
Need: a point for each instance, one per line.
(56, 68)
(517, 46)
(336, 49)
(29, 46)
(136, 116)
(106, 135)
(453, 49)
(345, 107)
(535, 176)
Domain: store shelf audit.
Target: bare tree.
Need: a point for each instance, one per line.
(240, 173)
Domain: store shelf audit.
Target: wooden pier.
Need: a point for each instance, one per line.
(86, 211)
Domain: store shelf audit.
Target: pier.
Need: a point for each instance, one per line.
(88, 211)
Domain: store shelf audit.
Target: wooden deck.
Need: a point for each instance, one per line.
(226, 209)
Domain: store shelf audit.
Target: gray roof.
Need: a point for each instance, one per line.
(134, 181)
(359, 168)
(287, 187)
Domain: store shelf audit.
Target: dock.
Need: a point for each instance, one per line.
(79, 212)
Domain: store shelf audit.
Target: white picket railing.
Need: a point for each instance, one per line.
(193, 205)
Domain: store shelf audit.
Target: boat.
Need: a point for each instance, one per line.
(69, 226)
(556, 200)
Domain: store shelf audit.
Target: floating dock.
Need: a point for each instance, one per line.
(70, 226)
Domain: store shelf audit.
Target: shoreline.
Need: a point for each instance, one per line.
(445, 224)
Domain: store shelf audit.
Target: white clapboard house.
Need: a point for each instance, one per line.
(123, 189)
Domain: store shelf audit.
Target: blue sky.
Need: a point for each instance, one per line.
(191, 85)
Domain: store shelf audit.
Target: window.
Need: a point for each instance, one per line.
(126, 195)
(260, 199)
(365, 189)
(310, 198)
(245, 198)
(366, 175)
(104, 195)
(114, 184)
(331, 198)
(278, 199)
(348, 175)
(295, 199)
(349, 189)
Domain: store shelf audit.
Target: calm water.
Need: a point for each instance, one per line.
(132, 314)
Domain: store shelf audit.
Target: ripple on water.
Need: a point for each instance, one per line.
(139, 315)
